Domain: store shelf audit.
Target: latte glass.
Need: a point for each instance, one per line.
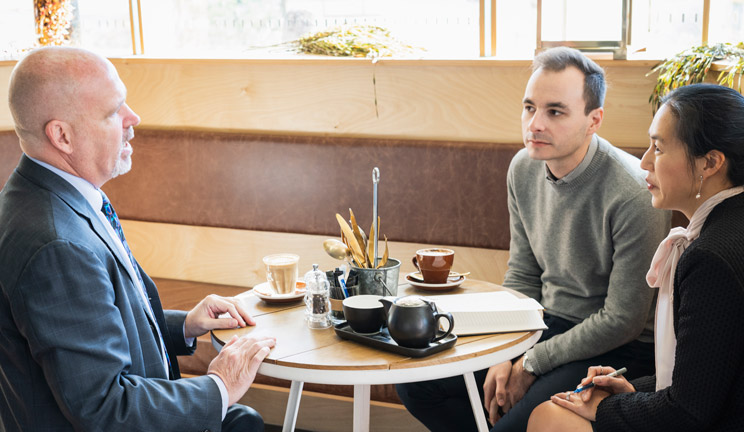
(281, 272)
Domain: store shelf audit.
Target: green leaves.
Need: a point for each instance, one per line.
(692, 66)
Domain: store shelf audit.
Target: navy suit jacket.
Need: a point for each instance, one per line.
(77, 351)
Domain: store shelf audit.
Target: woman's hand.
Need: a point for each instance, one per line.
(586, 401)
(586, 409)
(598, 376)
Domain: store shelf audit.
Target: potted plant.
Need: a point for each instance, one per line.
(693, 65)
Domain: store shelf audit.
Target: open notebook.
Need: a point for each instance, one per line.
(490, 312)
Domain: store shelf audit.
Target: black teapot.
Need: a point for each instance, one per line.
(413, 321)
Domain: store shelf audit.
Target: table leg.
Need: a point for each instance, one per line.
(293, 405)
(475, 402)
(361, 407)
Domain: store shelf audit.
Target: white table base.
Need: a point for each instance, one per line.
(293, 406)
(362, 394)
(361, 407)
(475, 402)
(369, 377)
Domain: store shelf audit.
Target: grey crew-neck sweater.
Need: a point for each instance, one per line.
(582, 249)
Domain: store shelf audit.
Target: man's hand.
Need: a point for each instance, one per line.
(519, 382)
(238, 362)
(204, 316)
(494, 390)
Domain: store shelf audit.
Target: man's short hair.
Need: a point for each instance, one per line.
(559, 58)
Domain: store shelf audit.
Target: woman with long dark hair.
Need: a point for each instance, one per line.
(695, 165)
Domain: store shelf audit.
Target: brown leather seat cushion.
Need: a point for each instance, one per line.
(449, 193)
(436, 192)
(10, 153)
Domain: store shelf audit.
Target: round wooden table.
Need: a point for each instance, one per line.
(304, 355)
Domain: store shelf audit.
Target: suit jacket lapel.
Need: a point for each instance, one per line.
(76, 201)
(67, 193)
(157, 310)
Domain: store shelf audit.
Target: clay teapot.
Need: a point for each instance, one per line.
(413, 321)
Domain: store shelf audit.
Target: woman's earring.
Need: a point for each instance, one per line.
(700, 188)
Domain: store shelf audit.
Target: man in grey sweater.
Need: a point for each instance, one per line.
(583, 233)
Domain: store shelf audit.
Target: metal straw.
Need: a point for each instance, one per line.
(375, 180)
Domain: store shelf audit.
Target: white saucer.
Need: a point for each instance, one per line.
(434, 287)
(264, 292)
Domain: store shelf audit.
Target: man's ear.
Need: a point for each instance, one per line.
(595, 117)
(59, 134)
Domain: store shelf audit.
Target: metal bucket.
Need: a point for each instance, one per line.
(382, 281)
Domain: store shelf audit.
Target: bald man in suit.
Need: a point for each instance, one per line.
(84, 341)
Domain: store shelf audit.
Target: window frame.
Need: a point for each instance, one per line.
(488, 46)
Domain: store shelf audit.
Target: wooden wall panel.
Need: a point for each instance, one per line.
(627, 111)
(233, 257)
(477, 100)
(6, 120)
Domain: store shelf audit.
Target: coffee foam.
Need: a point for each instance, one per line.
(280, 260)
(410, 301)
(281, 272)
(435, 252)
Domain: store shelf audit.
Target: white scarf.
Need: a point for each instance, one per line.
(661, 275)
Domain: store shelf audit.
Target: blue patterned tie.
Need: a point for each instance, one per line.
(110, 213)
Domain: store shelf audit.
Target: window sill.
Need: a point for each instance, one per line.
(327, 60)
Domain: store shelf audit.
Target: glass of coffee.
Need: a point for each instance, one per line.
(281, 272)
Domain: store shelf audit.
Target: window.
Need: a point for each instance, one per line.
(449, 29)
(668, 26)
(516, 24)
(445, 28)
(589, 25)
(728, 17)
(16, 27)
(103, 26)
(582, 20)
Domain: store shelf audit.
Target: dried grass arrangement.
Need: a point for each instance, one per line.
(53, 18)
(355, 41)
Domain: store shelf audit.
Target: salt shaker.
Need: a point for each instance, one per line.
(317, 303)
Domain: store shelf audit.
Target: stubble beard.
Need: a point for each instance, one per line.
(124, 164)
(538, 153)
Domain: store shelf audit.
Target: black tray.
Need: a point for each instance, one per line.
(383, 341)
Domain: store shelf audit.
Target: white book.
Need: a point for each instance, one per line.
(490, 312)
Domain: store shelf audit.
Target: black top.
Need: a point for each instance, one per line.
(707, 391)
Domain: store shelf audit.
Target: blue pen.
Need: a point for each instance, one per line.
(343, 285)
(613, 374)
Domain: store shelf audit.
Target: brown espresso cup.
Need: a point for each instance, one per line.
(434, 264)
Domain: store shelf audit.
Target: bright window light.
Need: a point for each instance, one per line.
(197, 28)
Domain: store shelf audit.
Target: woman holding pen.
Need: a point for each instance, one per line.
(695, 164)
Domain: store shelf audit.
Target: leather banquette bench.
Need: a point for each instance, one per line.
(443, 193)
(431, 192)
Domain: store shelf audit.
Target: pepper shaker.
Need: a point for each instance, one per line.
(317, 303)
